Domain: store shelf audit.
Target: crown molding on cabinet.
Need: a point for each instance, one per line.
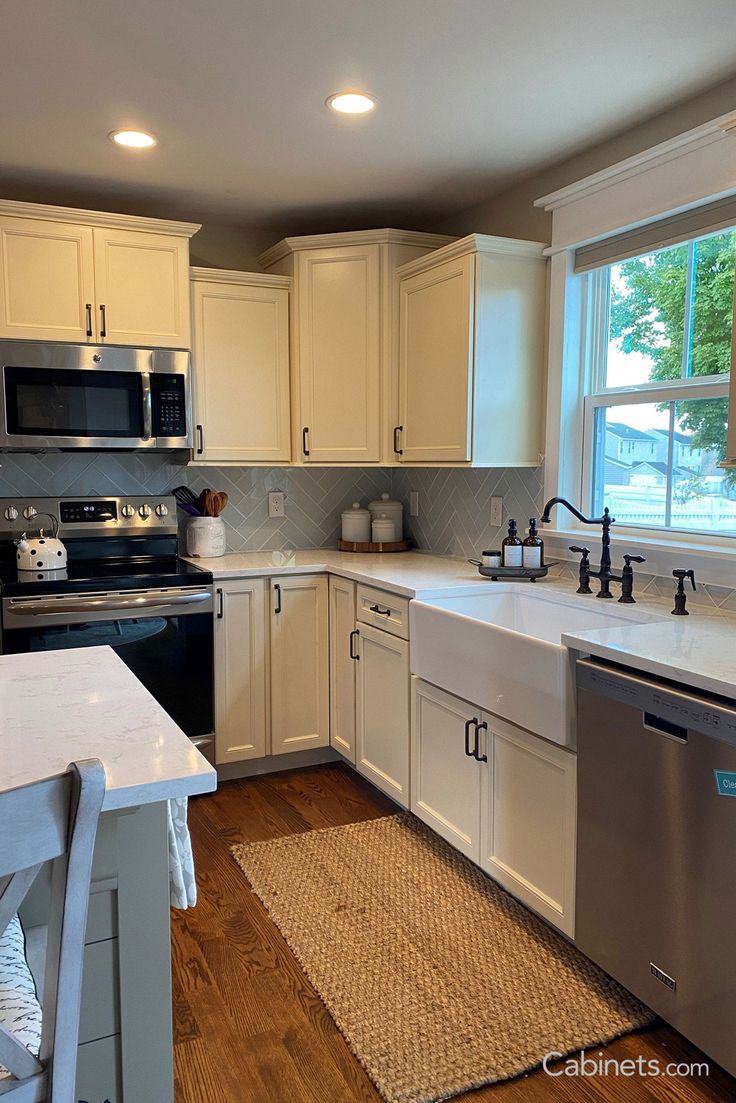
(473, 243)
(47, 213)
(290, 245)
(249, 279)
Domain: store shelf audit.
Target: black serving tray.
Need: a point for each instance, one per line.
(496, 573)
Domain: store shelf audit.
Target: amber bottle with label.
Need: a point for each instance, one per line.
(532, 550)
(511, 549)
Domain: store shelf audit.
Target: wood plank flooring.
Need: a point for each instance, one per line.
(248, 1026)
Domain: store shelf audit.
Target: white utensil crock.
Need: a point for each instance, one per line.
(206, 537)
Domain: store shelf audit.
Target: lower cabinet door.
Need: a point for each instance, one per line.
(240, 670)
(382, 727)
(528, 813)
(445, 774)
(300, 676)
(343, 663)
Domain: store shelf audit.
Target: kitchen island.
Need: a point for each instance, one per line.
(60, 706)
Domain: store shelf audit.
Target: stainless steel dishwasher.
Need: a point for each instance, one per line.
(656, 866)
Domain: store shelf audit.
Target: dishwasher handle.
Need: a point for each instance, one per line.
(663, 708)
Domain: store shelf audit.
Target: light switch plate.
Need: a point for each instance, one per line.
(497, 512)
(413, 503)
(276, 504)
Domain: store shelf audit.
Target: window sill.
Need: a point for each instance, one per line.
(712, 559)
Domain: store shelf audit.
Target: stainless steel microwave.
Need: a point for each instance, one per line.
(59, 397)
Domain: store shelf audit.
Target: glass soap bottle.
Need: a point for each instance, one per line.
(511, 549)
(532, 550)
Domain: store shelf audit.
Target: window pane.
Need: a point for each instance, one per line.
(713, 305)
(630, 468)
(703, 496)
(647, 318)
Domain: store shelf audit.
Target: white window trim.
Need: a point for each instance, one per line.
(650, 186)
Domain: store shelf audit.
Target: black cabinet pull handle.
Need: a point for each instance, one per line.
(478, 728)
(88, 309)
(200, 439)
(220, 605)
(277, 588)
(103, 320)
(380, 611)
(468, 725)
(354, 636)
(305, 440)
(398, 429)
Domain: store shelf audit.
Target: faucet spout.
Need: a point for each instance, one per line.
(605, 520)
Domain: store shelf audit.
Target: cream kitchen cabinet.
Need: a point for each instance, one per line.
(345, 340)
(382, 712)
(300, 688)
(343, 663)
(85, 276)
(471, 361)
(504, 797)
(240, 323)
(241, 670)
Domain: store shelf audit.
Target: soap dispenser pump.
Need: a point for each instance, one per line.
(680, 574)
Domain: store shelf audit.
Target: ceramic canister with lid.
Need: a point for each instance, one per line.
(356, 524)
(393, 510)
(383, 530)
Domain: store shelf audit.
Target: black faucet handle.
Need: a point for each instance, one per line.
(681, 574)
(585, 552)
(629, 559)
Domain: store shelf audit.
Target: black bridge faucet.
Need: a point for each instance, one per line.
(604, 574)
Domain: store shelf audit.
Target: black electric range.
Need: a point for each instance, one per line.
(124, 586)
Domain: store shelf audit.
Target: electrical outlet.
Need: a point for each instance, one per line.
(414, 503)
(497, 512)
(276, 504)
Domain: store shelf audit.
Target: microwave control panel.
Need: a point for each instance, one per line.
(168, 395)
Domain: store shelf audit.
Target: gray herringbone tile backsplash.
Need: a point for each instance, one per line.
(454, 505)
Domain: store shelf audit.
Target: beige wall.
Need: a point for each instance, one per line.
(511, 212)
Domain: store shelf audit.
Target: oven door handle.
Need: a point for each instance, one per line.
(101, 605)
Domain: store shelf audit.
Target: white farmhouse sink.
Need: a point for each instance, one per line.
(502, 651)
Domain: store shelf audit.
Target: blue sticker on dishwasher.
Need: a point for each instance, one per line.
(726, 782)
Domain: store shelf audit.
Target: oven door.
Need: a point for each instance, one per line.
(164, 636)
(75, 396)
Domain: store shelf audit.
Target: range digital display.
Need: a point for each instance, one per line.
(72, 513)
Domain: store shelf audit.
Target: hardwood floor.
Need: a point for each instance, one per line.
(248, 1026)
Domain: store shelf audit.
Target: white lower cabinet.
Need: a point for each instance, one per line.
(382, 714)
(241, 670)
(300, 686)
(501, 795)
(445, 778)
(343, 664)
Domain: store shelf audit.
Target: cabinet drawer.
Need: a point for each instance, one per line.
(383, 610)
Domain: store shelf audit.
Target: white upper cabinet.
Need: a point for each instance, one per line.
(47, 279)
(240, 324)
(471, 361)
(85, 276)
(345, 340)
(142, 285)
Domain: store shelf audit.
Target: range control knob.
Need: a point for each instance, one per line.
(162, 510)
(11, 513)
(29, 513)
(144, 512)
(128, 510)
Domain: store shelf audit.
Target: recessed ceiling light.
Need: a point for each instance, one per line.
(351, 103)
(132, 139)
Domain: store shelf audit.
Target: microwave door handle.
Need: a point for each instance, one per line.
(147, 406)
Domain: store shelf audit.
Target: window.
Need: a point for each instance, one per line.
(656, 407)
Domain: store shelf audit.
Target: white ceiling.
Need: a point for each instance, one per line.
(472, 93)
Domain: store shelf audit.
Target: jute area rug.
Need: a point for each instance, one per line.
(439, 980)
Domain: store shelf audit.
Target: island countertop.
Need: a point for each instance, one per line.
(60, 706)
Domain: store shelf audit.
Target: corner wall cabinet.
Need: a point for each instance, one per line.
(471, 363)
(240, 344)
(345, 340)
(86, 276)
(504, 797)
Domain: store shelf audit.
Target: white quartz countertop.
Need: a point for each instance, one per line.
(695, 650)
(60, 706)
(412, 574)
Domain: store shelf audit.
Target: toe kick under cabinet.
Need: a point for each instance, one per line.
(502, 796)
